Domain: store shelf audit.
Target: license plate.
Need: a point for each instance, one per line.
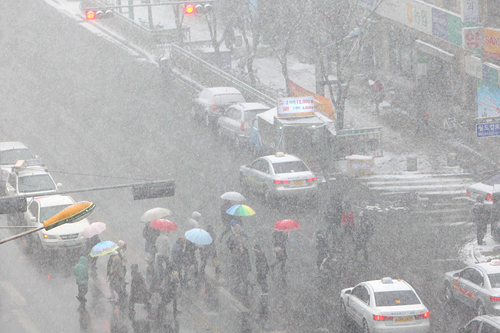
(298, 182)
(70, 243)
(403, 318)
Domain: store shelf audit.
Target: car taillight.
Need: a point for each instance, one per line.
(242, 127)
(214, 107)
(381, 318)
(424, 315)
(467, 192)
(494, 299)
(277, 181)
(489, 197)
(312, 179)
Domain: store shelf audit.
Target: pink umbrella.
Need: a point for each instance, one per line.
(94, 229)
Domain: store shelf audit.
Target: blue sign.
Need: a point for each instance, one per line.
(486, 130)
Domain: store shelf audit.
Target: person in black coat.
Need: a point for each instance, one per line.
(150, 234)
(364, 232)
(139, 292)
(261, 268)
(322, 248)
(280, 239)
(225, 217)
(481, 217)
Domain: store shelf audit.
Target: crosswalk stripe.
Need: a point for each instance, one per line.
(25, 321)
(14, 294)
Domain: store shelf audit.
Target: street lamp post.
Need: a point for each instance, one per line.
(70, 214)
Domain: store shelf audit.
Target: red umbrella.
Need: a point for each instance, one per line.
(163, 225)
(286, 225)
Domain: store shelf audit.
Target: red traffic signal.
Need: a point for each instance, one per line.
(90, 15)
(189, 9)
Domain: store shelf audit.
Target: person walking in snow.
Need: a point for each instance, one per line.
(261, 268)
(481, 217)
(225, 218)
(82, 279)
(139, 292)
(322, 248)
(364, 232)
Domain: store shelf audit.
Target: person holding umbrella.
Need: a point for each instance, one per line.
(225, 217)
(91, 233)
(163, 253)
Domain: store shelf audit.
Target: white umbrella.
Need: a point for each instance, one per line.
(155, 213)
(94, 229)
(233, 196)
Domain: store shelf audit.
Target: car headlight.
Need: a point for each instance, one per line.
(47, 236)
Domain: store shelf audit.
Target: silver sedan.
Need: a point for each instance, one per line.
(279, 176)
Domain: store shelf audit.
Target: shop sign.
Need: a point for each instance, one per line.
(488, 100)
(295, 107)
(370, 4)
(490, 73)
(486, 130)
(470, 10)
(474, 66)
(411, 13)
(448, 26)
(492, 43)
(472, 39)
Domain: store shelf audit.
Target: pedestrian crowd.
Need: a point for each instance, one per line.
(173, 266)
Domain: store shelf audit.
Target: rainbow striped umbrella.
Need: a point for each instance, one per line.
(240, 210)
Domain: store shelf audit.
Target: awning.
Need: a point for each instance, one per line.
(434, 51)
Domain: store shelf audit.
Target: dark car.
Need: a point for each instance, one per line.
(211, 103)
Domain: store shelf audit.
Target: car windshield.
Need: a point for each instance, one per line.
(228, 99)
(47, 212)
(289, 167)
(13, 155)
(492, 180)
(249, 115)
(494, 280)
(396, 298)
(35, 183)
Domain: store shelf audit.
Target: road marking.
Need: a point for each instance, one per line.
(25, 321)
(14, 294)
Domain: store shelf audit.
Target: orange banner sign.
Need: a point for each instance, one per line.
(321, 104)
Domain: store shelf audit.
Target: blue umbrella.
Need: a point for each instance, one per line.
(103, 248)
(198, 236)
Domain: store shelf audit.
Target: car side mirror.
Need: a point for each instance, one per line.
(32, 219)
(58, 185)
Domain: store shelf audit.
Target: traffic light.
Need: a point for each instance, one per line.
(189, 9)
(91, 15)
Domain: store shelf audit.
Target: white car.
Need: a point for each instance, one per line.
(482, 324)
(487, 188)
(476, 286)
(279, 176)
(211, 103)
(11, 152)
(236, 122)
(30, 180)
(66, 236)
(385, 305)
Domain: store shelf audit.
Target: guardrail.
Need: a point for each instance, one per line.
(197, 67)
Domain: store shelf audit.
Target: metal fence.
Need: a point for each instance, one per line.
(209, 75)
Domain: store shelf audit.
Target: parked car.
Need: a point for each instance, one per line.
(30, 180)
(212, 102)
(11, 152)
(385, 305)
(66, 236)
(482, 324)
(236, 121)
(485, 188)
(476, 286)
(279, 176)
